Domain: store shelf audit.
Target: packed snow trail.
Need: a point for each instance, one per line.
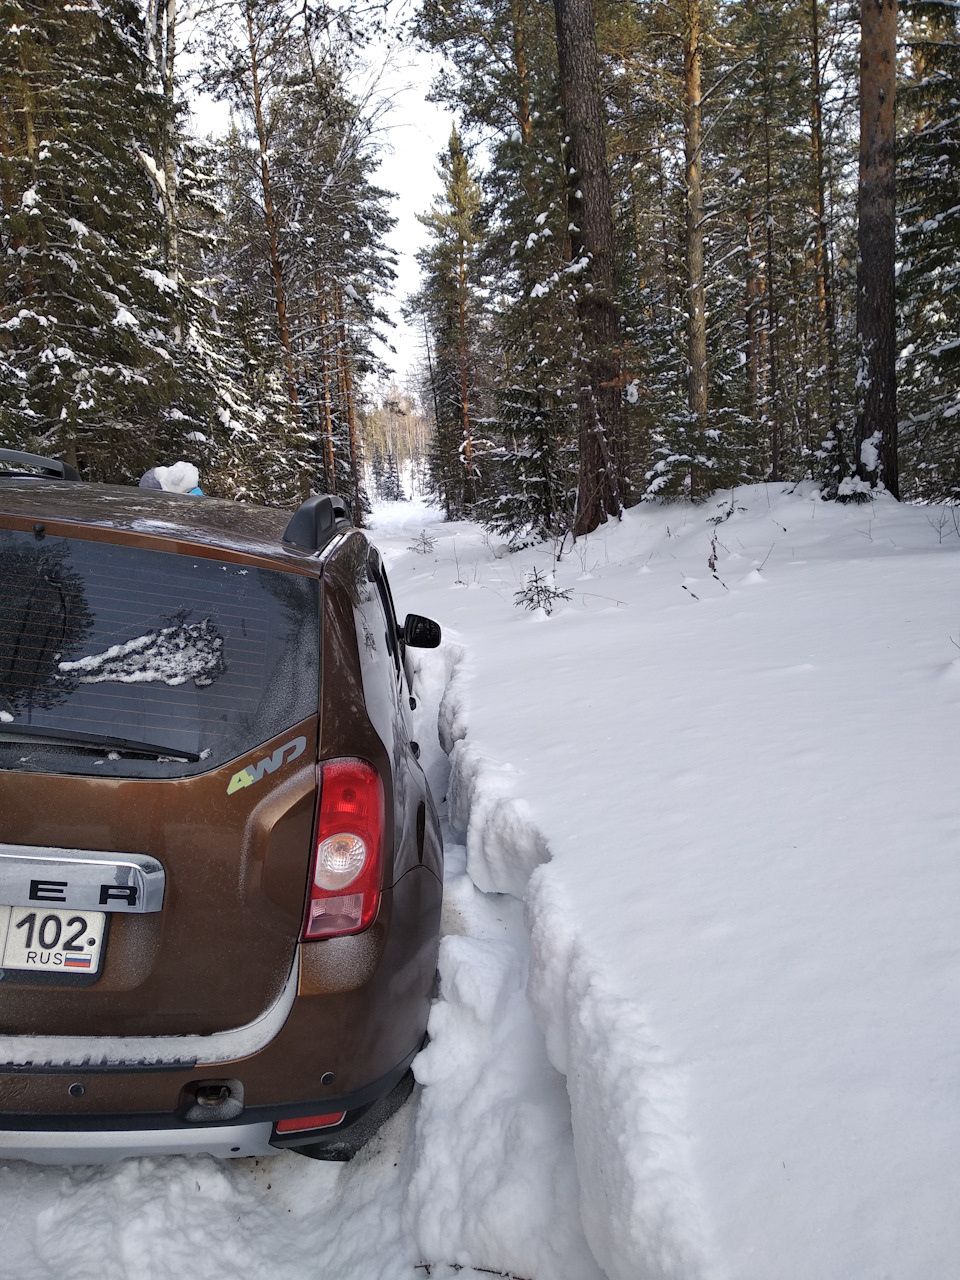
(476, 1171)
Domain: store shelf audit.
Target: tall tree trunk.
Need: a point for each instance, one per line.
(875, 440)
(463, 360)
(329, 456)
(270, 215)
(695, 213)
(160, 24)
(592, 238)
(29, 116)
(664, 229)
(170, 142)
(433, 380)
(753, 293)
(773, 311)
(523, 75)
(346, 376)
(826, 307)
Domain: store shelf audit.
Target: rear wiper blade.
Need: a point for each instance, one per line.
(91, 741)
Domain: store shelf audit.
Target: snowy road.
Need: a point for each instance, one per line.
(476, 1171)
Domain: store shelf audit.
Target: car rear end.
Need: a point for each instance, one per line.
(175, 973)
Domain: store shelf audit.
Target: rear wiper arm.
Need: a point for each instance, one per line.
(91, 741)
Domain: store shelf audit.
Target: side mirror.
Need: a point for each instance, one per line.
(419, 633)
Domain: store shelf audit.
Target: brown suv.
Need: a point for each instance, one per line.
(220, 865)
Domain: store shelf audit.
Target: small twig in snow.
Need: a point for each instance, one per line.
(456, 560)
(593, 595)
(427, 1267)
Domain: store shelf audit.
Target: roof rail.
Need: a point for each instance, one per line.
(315, 522)
(49, 466)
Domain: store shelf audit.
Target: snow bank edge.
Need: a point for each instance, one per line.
(639, 1210)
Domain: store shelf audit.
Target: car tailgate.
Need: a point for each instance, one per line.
(236, 863)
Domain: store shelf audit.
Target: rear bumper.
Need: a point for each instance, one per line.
(105, 1139)
(103, 1146)
(353, 1016)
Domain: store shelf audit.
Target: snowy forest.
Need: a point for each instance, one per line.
(664, 260)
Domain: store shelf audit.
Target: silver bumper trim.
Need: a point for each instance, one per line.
(44, 1146)
(116, 1052)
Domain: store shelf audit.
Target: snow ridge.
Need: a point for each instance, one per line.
(492, 1179)
(504, 845)
(627, 1103)
(639, 1210)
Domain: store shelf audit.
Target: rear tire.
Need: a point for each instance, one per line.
(344, 1145)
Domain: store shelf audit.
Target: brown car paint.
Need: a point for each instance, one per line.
(236, 864)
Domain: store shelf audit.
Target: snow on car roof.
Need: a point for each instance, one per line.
(230, 526)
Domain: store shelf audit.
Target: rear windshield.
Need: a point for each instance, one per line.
(115, 659)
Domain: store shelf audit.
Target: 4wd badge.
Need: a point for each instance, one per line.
(254, 772)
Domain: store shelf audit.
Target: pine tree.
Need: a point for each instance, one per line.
(591, 229)
(303, 256)
(875, 440)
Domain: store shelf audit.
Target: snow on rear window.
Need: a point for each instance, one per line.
(200, 656)
(173, 655)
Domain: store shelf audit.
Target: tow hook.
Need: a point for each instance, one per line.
(210, 1101)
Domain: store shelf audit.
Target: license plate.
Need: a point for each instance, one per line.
(53, 945)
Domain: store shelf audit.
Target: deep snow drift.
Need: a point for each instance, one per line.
(726, 766)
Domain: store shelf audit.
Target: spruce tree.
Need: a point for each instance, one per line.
(505, 90)
(450, 304)
(90, 366)
(929, 279)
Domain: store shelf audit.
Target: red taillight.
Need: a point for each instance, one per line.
(310, 1122)
(348, 858)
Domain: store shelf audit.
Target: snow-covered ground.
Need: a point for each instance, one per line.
(700, 965)
(722, 777)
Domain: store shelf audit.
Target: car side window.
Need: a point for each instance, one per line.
(377, 662)
(389, 614)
